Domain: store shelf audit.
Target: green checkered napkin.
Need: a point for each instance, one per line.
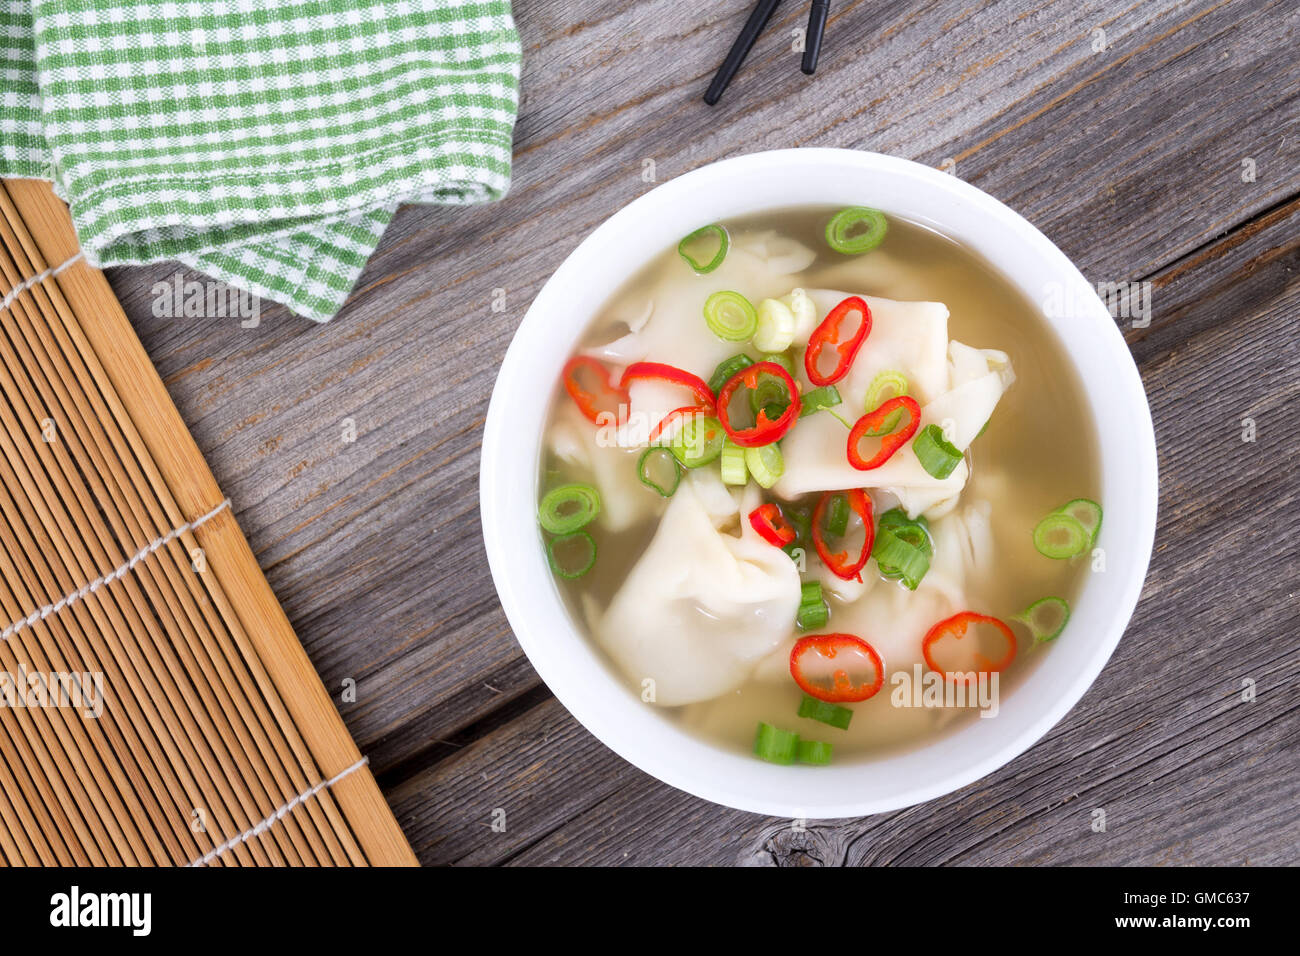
(264, 142)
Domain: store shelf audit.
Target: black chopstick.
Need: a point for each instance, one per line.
(813, 40)
(753, 27)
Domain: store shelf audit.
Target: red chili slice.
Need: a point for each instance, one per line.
(600, 396)
(769, 522)
(955, 627)
(873, 422)
(837, 686)
(764, 431)
(839, 562)
(670, 373)
(827, 335)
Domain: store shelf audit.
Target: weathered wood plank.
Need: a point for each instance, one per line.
(1129, 159)
(1163, 727)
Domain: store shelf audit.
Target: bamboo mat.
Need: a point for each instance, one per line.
(123, 569)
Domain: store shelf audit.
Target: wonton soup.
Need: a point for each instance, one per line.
(819, 483)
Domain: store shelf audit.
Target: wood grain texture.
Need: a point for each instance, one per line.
(1130, 159)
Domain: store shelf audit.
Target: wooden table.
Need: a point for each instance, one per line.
(1155, 142)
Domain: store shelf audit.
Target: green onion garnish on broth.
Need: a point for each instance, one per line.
(836, 521)
(734, 471)
(569, 507)
(708, 240)
(886, 385)
(1060, 536)
(819, 399)
(765, 463)
(730, 316)
(780, 358)
(813, 609)
(814, 752)
(938, 456)
(775, 745)
(726, 369)
(1045, 618)
(1088, 513)
(571, 555)
(800, 519)
(775, 329)
(699, 441)
(856, 230)
(825, 712)
(770, 393)
(903, 548)
(659, 470)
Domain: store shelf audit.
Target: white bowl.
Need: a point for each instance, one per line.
(569, 663)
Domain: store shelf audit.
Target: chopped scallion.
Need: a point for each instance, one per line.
(730, 316)
(938, 456)
(836, 521)
(569, 507)
(886, 385)
(1045, 618)
(1060, 536)
(705, 236)
(699, 441)
(856, 230)
(813, 609)
(775, 745)
(825, 712)
(734, 471)
(818, 399)
(775, 326)
(1088, 513)
(814, 752)
(727, 370)
(765, 463)
(575, 565)
(659, 470)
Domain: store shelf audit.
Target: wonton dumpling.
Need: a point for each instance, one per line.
(957, 387)
(624, 500)
(701, 607)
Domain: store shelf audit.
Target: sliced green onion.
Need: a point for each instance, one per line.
(659, 459)
(886, 385)
(814, 752)
(1088, 513)
(569, 507)
(825, 712)
(899, 554)
(765, 463)
(770, 392)
(775, 326)
(727, 370)
(571, 568)
(704, 233)
(730, 316)
(1060, 536)
(835, 522)
(775, 745)
(734, 471)
(699, 441)
(819, 399)
(813, 609)
(1045, 618)
(856, 230)
(937, 455)
(779, 358)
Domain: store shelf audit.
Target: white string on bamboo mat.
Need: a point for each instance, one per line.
(90, 587)
(278, 815)
(40, 277)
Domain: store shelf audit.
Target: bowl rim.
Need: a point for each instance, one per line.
(512, 567)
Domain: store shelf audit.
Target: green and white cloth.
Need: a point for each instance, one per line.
(264, 142)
